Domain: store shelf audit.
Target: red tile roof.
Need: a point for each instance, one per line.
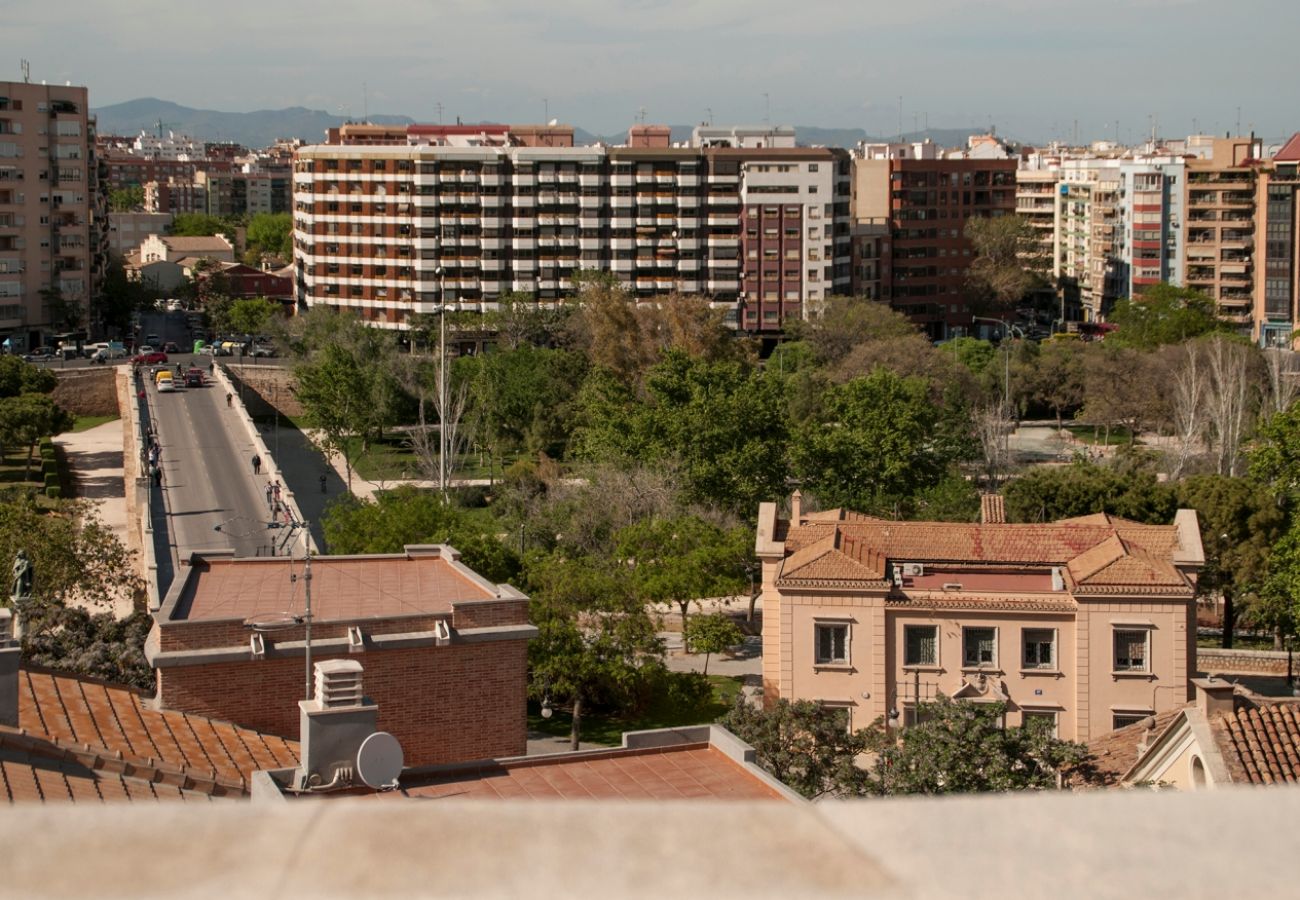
(101, 729)
(682, 772)
(1263, 743)
(1115, 752)
(1290, 151)
(343, 588)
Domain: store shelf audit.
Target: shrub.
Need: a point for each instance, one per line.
(53, 491)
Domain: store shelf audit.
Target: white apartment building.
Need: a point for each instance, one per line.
(174, 146)
(392, 230)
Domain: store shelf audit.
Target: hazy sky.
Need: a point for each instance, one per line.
(1032, 68)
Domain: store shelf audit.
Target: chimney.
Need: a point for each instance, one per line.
(1214, 696)
(10, 656)
(333, 724)
(993, 509)
(796, 508)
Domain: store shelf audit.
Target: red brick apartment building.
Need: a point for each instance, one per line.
(926, 202)
(444, 650)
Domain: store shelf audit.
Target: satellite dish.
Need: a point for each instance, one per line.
(379, 760)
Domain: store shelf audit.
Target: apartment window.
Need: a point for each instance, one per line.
(832, 644)
(1039, 648)
(921, 645)
(1131, 649)
(979, 647)
(1122, 720)
(1031, 717)
(812, 167)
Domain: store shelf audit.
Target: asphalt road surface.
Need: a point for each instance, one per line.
(208, 480)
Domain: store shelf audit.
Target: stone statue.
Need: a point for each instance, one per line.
(23, 575)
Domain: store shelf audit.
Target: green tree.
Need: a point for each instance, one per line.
(520, 320)
(1009, 262)
(27, 418)
(685, 559)
(99, 645)
(595, 638)
(20, 377)
(1240, 523)
(348, 397)
(1163, 314)
(842, 323)
(962, 747)
(1055, 377)
(1081, 489)
(411, 516)
(74, 556)
(805, 745)
(711, 634)
(888, 420)
(1275, 457)
(1277, 608)
(201, 225)
(250, 315)
(720, 423)
(271, 234)
(126, 199)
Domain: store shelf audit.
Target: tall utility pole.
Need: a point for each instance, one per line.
(306, 578)
(442, 383)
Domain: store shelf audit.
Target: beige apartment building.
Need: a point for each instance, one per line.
(1088, 622)
(53, 214)
(1221, 199)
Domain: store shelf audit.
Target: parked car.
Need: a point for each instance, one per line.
(41, 353)
(263, 350)
(170, 347)
(150, 358)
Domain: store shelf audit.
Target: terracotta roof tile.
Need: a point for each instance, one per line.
(1115, 752)
(70, 713)
(1265, 742)
(1290, 151)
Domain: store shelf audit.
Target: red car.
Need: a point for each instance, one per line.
(149, 359)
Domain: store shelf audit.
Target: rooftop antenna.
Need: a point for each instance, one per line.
(546, 109)
(365, 105)
(767, 110)
(900, 118)
(439, 106)
(27, 71)
(709, 110)
(640, 114)
(1238, 120)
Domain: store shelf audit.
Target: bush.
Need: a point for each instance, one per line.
(53, 491)
(51, 480)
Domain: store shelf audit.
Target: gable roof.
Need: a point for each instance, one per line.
(1290, 151)
(76, 727)
(191, 245)
(1114, 753)
(837, 557)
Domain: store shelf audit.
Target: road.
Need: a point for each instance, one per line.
(208, 481)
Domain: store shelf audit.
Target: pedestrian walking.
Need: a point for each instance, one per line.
(257, 464)
(156, 474)
(269, 491)
(276, 489)
(229, 397)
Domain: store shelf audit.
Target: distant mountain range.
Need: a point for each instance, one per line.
(264, 126)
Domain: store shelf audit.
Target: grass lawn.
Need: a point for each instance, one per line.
(85, 423)
(1239, 642)
(1088, 435)
(604, 729)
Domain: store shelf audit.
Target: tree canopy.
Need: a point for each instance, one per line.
(1163, 314)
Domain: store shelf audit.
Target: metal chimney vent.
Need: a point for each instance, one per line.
(338, 683)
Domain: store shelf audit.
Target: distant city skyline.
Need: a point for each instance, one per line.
(1035, 71)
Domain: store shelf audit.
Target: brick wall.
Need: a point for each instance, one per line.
(200, 635)
(444, 704)
(488, 614)
(267, 388)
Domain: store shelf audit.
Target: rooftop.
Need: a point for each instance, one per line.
(80, 738)
(425, 580)
(1261, 743)
(686, 772)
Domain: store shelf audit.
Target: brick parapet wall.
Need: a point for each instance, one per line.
(443, 704)
(267, 388)
(489, 613)
(1267, 662)
(182, 635)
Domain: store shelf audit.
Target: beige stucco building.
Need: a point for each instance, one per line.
(1087, 622)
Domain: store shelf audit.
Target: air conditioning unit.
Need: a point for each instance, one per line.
(913, 570)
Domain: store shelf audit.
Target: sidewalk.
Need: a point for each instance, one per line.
(95, 464)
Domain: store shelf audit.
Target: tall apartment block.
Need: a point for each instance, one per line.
(390, 223)
(53, 225)
(927, 201)
(1277, 277)
(1221, 198)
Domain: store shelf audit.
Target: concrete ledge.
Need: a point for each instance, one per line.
(1114, 844)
